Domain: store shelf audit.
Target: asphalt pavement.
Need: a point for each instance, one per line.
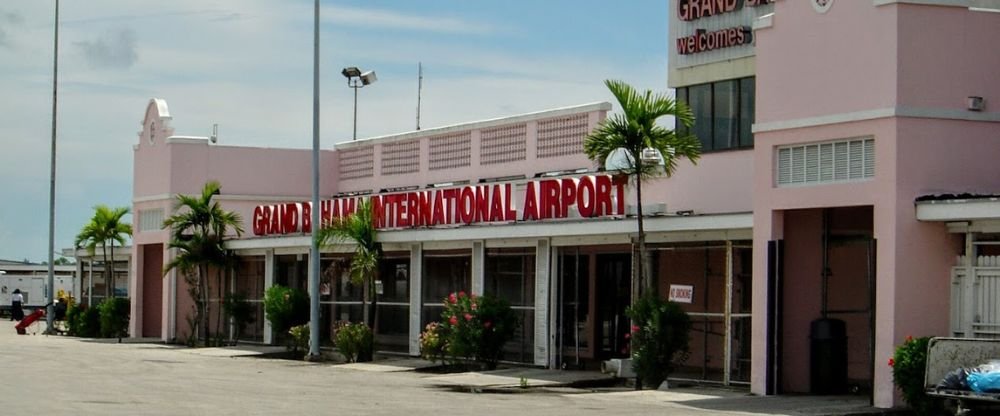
(58, 375)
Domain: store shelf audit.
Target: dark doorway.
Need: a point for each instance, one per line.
(613, 295)
(152, 290)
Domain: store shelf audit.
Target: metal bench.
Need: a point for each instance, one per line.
(945, 355)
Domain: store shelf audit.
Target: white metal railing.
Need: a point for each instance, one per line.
(985, 286)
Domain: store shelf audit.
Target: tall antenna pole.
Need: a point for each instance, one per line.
(49, 311)
(420, 88)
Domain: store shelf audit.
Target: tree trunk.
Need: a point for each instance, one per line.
(364, 303)
(205, 308)
(222, 291)
(112, 269)
(107, 287)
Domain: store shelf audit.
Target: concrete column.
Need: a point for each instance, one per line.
(169, 331)
(268, 282)
(553, 313)
(478, 267)
(416, 278)
(135, 292)
(542, 282)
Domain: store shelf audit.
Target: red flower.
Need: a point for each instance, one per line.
(627, 336)
(487, 324)
(461, 293)
(453, 320)
(892, 362)
(635, 328)
(468, 317)
(452, 298)
(909, 338)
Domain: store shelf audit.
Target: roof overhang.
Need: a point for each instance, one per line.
(962, 214)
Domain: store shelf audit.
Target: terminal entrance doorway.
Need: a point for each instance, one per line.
(593, 290)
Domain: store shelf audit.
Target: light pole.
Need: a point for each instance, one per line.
(357, 79)
(50, 309)
(314, 253)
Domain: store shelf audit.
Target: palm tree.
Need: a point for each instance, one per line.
(104, 229)
(635, 131)
(358, 228)
(198, 231)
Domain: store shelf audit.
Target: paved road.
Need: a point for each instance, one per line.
(53, 375)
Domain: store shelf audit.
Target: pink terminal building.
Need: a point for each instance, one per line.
(846, 199)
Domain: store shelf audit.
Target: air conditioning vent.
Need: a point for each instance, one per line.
(829, 162)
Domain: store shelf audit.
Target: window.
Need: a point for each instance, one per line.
(723, 113)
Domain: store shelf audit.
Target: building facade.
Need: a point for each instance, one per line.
(817, 215)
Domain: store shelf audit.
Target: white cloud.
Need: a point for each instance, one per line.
(386, 19)
(114, 50)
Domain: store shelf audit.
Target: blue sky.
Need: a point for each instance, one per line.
(247, 65)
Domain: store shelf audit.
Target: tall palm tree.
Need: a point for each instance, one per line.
(635, 130)
(198, 230)
(104, 229)
(358, 228)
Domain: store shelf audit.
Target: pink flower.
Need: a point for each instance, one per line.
(468, 317)
(453, 320)
(461, 293)
(452, 299)
(635, 328)
(487, 324)
(474, 306)
(627, 336)
(892, 362)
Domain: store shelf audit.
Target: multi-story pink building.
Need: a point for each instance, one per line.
(805, 244)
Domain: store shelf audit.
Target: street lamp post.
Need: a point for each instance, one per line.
(314, 252)
(357, 79)
(50, 309)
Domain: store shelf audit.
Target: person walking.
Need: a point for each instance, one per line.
(16, 310)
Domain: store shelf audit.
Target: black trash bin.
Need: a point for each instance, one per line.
(828, 356)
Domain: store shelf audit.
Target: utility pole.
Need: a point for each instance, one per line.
(50, 309)
(314, 252)
(420, 89)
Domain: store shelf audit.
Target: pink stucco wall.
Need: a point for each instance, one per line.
(840, 67)
(811, 64)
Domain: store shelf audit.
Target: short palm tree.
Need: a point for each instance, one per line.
(635, 130)
(104, 229)
(358, 228)
(198, 230)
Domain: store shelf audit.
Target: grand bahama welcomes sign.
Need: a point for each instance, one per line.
(584, 197)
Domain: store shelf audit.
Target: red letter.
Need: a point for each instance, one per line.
(586, 197)
(438, 217)
(425, 208)
(258, 220)
(482, 204)
(307, 217)
(568, 196)
(603, 198)
(467, 204)
(620, 183)
(496, 205)
(508, 199)
(530, 203)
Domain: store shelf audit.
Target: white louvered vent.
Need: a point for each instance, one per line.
(830, 162)
(150, 219)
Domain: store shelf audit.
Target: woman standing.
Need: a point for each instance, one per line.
(16, 312)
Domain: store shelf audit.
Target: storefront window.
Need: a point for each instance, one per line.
(723, 112)
(510, 275)
(250, 284)
(445, 272)
(393, 327)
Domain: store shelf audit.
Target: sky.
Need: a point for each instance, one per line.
(246, 65)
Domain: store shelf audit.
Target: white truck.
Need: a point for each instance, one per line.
(33, 287)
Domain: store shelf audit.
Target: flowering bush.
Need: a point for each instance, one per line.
(300, 337)
(908, 366)
(660, 331)
(354, 340)
(473, 328)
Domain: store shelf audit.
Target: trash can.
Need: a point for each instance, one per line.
(828, 356)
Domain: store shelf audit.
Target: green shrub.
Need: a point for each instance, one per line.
(237, 306)
(908, 366)
(300, 337)
(114, 317)
(89, 323)
(474, 328)
(74, 318)
(355, 341)
(660, 332)
(285, 308)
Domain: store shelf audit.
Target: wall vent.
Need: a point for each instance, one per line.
(829, 162)
(150, 220)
